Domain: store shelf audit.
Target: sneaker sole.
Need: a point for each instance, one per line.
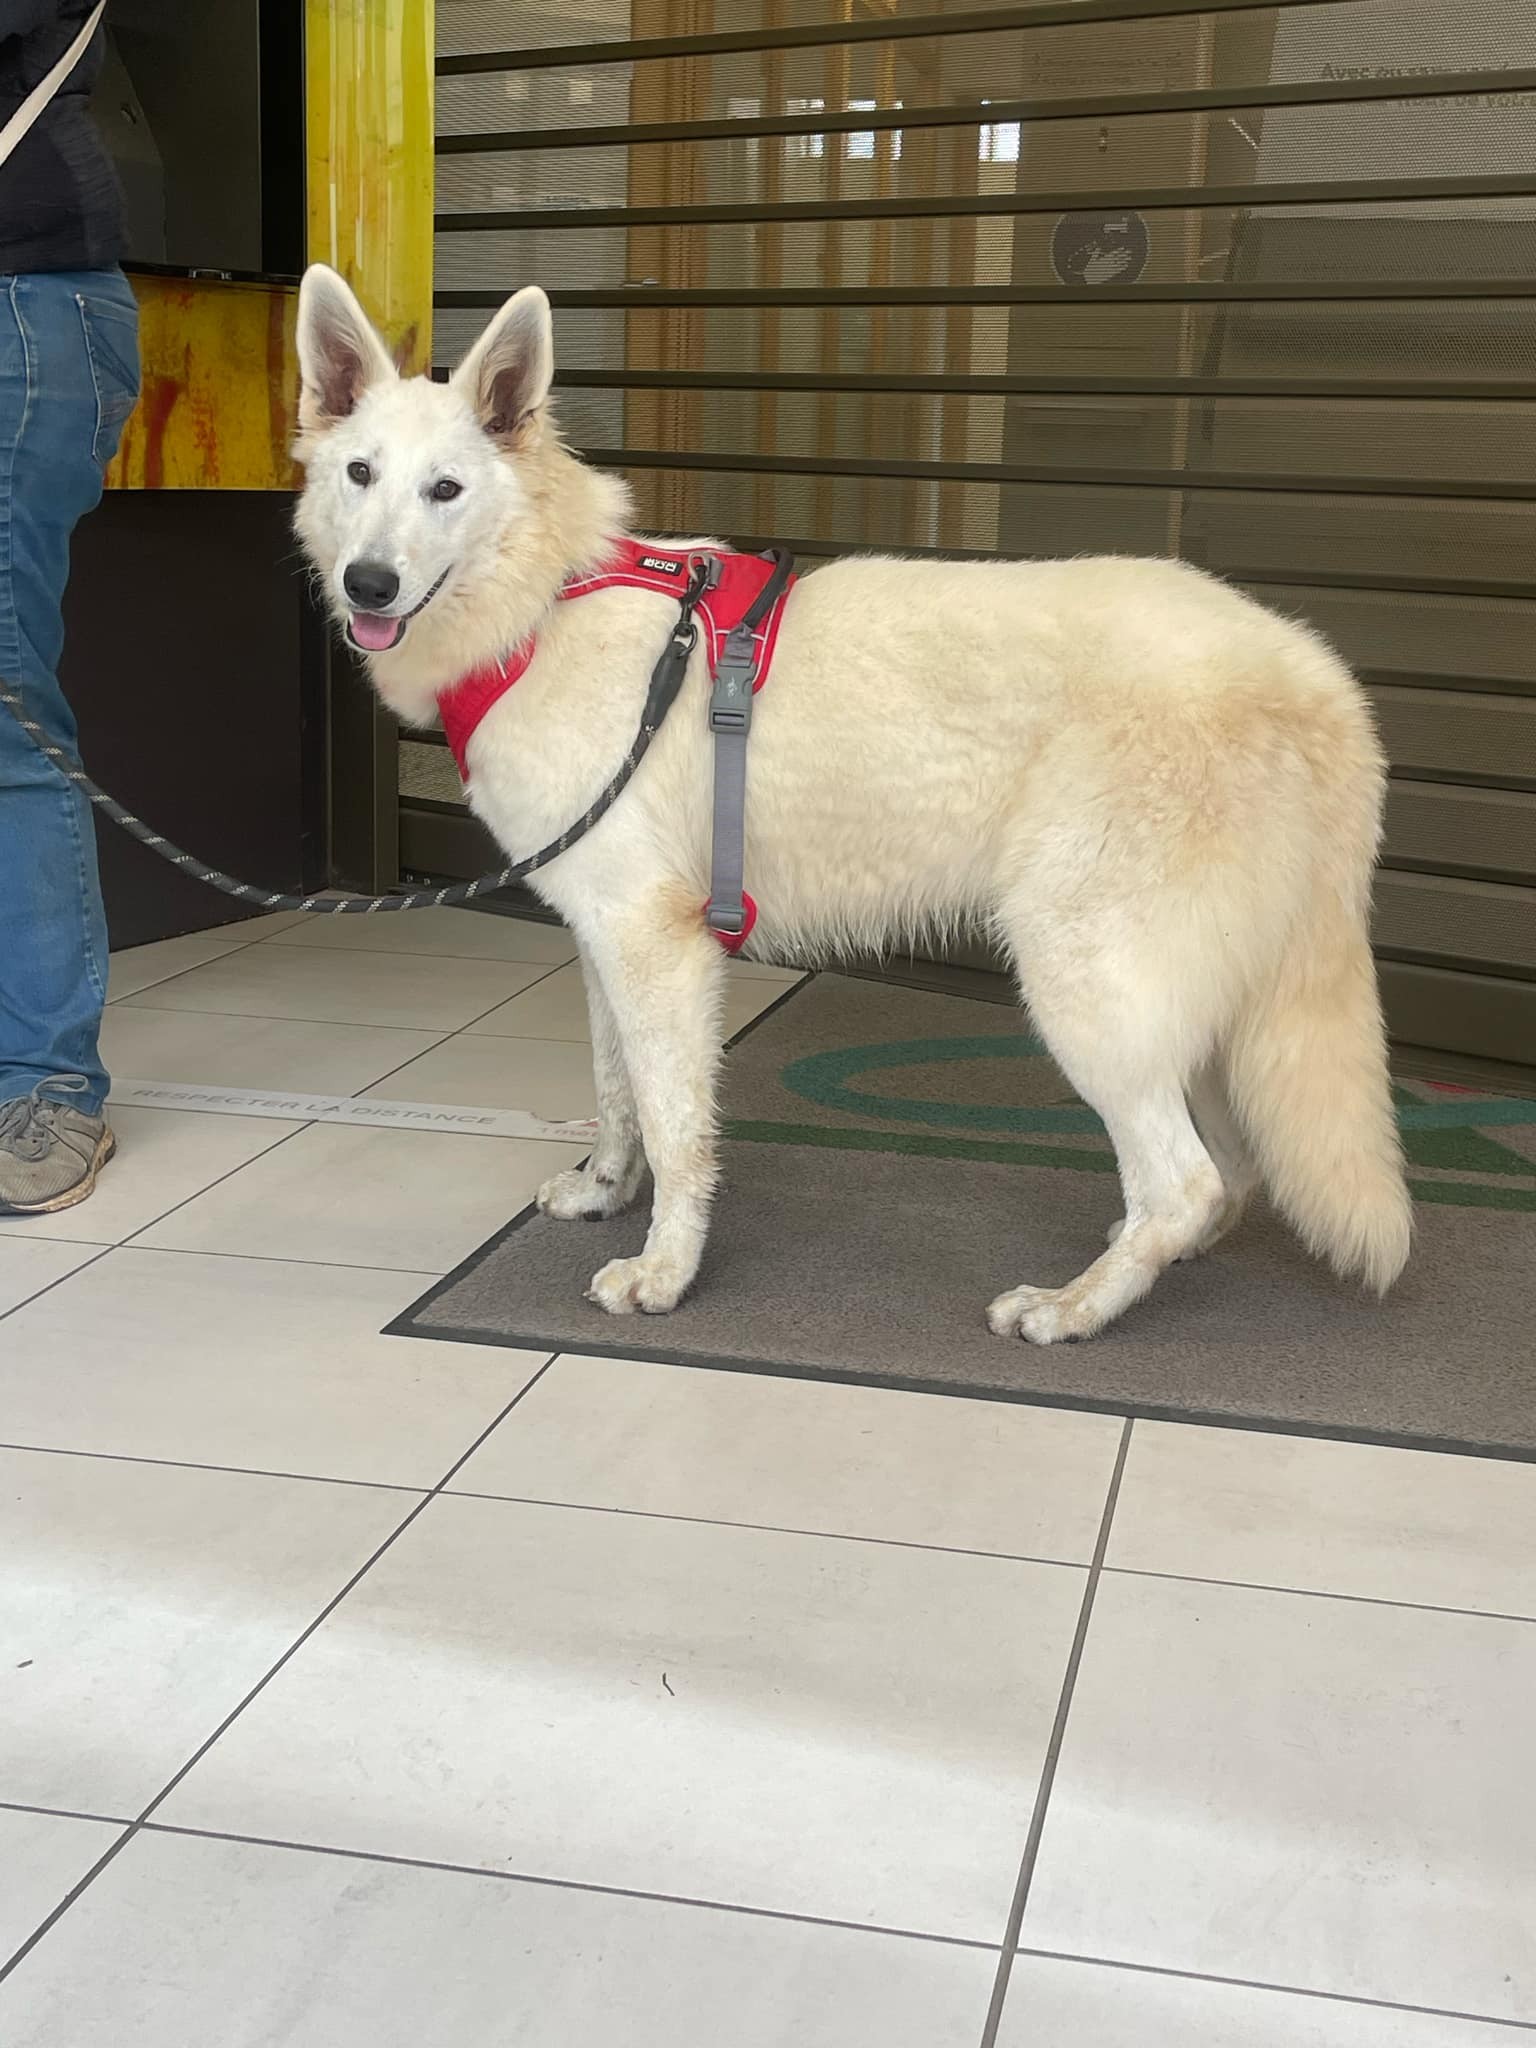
(106, 1145)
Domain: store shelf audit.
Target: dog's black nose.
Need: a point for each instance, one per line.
(371, 586)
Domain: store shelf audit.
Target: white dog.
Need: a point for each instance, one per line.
(1163, 800)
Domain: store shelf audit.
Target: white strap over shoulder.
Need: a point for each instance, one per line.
(41, 93)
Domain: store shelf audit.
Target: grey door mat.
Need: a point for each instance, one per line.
(896, 1158)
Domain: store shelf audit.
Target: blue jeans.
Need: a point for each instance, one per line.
(69, 375)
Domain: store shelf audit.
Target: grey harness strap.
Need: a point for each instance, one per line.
(730, 720)
(747, 646)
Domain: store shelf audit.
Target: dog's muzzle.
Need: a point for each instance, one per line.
(378, 632)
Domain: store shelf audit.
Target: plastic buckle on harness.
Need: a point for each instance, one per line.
(730, 699)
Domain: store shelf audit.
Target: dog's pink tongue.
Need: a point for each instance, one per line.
(373, 632)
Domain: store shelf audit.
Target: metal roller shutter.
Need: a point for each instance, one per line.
(1252, 284)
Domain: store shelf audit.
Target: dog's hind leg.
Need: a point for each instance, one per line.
(664, 977)
(610, 1179)
(1211, 1110)
(1111, 1006)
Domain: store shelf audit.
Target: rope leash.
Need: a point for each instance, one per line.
(666, 681)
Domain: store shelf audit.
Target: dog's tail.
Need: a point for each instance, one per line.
(1307, 1071)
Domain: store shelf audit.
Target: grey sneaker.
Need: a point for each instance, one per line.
(50, 1154)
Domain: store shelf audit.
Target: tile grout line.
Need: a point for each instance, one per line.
(130, 1829)
(1015, 1921)
(589, 1507)
(1010, 1948)
(301, 1125)
(1002, 1556)
(395, 952)
(447, 1036)
(219, 1181)
(575, 1507)
(134, 1827)
(427, 1497)
(155, 1221)
(27, 1299)
(445, 1031)
(165, 980)
(111, 1820)
(210, 1465)
(183, 1251)
(458, 1030)
(1350, 1998)
(131, 998)
(307, 1125)
(572, 1884)
(1127, 1571)
(878, 1929)
(299, 921)
(270, 1017)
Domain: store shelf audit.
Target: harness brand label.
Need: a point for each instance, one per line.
(664, 563)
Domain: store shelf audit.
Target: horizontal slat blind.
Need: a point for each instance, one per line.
(1253, 284)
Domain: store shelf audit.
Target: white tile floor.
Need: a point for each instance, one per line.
(360, 1691)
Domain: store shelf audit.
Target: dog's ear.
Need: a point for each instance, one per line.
(507, 374)
(340, 355)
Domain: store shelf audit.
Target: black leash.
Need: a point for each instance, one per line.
(666, 681)
(783, 568)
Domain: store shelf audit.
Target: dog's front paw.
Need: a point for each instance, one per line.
(652, 1283)
(1043, 1315)
(579, 1193)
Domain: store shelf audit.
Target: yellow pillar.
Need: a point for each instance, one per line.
(369, 90)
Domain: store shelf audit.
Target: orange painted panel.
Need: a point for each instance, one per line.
(220, 388)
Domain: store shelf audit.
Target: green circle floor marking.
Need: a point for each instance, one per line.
(826, 1078)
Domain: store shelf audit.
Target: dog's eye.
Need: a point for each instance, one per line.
(359, 472)
(445, 490)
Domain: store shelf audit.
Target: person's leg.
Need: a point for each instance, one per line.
(68, 376)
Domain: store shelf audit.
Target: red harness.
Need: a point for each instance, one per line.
(634, 565)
